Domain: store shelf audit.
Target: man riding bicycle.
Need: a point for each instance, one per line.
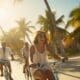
(5, 52)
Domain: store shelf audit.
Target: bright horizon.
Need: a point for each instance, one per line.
(31, 9)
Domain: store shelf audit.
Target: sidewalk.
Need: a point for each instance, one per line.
(74, 58)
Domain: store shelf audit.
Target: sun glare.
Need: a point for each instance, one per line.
(3, 13)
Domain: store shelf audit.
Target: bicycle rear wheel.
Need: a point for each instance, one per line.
(7, 74)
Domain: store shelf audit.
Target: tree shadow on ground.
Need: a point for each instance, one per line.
(72, 66)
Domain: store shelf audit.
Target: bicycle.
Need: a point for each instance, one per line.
(28, 72)
(42, 72)
(55, 67)
(6, 72)
(40, 68)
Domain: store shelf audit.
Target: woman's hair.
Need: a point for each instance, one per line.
(38, 34)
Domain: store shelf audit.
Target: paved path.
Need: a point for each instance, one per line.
(72, 67)
(16, 71)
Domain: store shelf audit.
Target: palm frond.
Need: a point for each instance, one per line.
(75, 12)
(74, 18)
(28, 30)
(28, 38)
(41, 20)
(28, 22)
(60, 19)
(69, 23)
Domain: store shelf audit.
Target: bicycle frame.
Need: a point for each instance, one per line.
(6, 72)
(39, 66)
(55, 66)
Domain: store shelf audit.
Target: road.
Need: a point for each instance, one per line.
(70, 68)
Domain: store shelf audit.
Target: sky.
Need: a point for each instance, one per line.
(31, 9)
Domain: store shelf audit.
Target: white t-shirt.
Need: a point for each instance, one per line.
(40, 57)
(7, 53)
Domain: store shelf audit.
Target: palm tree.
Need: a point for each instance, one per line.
(74, 18)
(24, 29)
(12, 39)
(46, 23)
(55, 33)
(75, 23)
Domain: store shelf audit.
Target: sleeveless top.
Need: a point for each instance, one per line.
(40, 57)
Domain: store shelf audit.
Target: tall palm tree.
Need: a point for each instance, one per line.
(24, 29)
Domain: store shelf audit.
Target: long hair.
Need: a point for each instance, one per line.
(38, 34)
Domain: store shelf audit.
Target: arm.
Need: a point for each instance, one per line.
(11, 54)
(32, 51)
(51, 50)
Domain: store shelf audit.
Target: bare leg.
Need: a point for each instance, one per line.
(1, 67)
(25, 65)
(9, 66)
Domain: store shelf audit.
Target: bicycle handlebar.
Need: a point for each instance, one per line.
(35, 65)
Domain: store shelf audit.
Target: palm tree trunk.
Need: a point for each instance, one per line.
(2, 30)
(54, 27)
(55, 38)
